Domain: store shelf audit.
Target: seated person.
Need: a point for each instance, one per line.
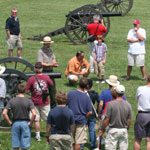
(77, 67)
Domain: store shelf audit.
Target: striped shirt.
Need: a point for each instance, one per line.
(100, 50)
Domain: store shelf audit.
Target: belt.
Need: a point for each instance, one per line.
(15, 34)
(143, 111)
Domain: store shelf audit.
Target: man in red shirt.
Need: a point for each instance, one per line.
(97, 29)
(36, 84)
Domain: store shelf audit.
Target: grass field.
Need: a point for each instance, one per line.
(42, 16)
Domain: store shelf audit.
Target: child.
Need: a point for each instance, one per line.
(99, 58)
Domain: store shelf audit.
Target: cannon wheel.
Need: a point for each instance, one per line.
(122, 6)
(17, 64)
(76, 27)
(12, 80)
(16, 70)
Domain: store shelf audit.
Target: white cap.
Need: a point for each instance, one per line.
(120, 89)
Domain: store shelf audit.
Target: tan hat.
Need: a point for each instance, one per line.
(113, 80)
(2, 69)
(46, 39)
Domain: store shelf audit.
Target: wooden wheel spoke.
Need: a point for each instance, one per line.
(25, 69)
(15, 64)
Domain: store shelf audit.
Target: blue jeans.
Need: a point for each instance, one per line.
(91, 126)
(21, 134)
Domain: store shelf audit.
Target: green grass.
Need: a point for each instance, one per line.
(42, 16)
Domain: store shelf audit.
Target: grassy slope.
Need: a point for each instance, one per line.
(39, 17)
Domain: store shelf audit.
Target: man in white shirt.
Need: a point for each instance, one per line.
(142, 123)
(2, 92)
(136, 52)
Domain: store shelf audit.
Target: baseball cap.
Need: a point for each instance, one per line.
(120, 89)
(38, 65)
(136, 22)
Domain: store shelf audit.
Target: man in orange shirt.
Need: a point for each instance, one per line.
(77, 67)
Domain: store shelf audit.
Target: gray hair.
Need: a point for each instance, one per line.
(14, 9)
(96, 17)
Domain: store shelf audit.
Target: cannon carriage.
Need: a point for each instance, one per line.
(77, 20)
(18, 71)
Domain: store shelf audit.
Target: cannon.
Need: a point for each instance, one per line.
(75, 25)
(123, 6)
(18, 71)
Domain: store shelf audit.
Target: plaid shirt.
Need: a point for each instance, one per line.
(100, 50)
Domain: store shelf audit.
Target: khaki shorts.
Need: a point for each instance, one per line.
(99, 68)
(72, 76)
(139, 60)
(42, 112)
(14, 41)
(114, 136)
(80, 135)
(60, 142)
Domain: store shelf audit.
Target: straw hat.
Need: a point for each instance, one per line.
(113, 80)
(46, 40)
(2, 69)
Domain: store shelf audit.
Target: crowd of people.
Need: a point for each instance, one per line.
(68, 116)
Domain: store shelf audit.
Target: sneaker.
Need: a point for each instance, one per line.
(20, 57)
(95, 149)
(38, 138)
(103, 81)
(97, 81)
(92, 70)
(127, 78)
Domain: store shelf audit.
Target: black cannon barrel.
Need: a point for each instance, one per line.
(51, 74)
(29, 74)
(104, 14)
(110, 14)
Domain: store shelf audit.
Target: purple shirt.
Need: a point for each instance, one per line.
(33, 87)
(100, 50)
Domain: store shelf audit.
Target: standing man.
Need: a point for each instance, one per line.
(118, 118)
(136, 52)
(96, 29)
(13, 33)
(80, 103)
(21, 123)
(2, 91)
(46, 56)
(77, 67)
(36, 85)
(60, 124)
(142, 123)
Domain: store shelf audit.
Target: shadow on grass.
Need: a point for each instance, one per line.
(75, 85)
(123, 78)
(87, 146)
(42, 134)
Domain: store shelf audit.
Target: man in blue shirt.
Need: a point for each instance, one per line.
(80, 103)
(13, 33)
(60, 124)
(106, 95)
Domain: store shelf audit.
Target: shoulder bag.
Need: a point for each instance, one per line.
(91, 38)
(45, 93)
